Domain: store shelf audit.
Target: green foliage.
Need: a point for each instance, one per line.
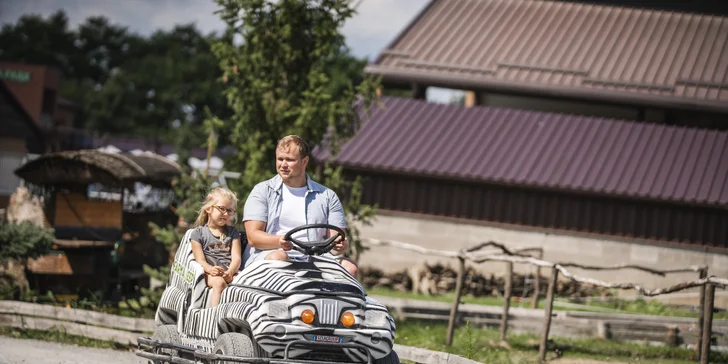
(24, 240)
(524, 347)
(161, 86)
(161, 89)
(156, 87)
(278, 82)
(469, 344)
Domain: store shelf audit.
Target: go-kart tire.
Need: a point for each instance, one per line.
(166, 334)
(237, 344)
(391, 358)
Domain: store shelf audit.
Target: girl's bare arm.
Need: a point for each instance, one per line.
(200, 258)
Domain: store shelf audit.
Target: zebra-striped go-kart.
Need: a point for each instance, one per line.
(272, 312)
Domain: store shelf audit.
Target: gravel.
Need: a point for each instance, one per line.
(14, 351)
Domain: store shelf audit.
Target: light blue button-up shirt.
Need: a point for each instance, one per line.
(264, 204)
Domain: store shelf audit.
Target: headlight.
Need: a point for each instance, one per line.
(278, 310)
(375, 318)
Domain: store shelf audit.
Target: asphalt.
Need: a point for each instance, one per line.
(16, 351)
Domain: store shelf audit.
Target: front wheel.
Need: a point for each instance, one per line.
(166, 334)
(391, 358)
(237, 344)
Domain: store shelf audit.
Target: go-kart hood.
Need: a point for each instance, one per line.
(317, 275)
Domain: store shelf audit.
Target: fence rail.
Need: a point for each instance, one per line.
(707, 286)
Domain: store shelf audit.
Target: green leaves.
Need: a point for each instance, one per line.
(155, 86)
(24, 240)
(291, 73)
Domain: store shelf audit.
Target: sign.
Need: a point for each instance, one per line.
(15, 75)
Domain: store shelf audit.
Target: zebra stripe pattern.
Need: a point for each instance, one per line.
(266, 301)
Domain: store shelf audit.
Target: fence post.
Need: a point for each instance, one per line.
(537, 282)
(547, 314)
(707, 323)
(702, 273)
(456, 301)
(506, 301)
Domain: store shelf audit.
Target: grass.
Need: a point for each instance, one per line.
(639, 306)
(474, 343)
(59, 336)
(483, 345)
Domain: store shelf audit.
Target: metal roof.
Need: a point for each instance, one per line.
(542, 150)
(565, 49)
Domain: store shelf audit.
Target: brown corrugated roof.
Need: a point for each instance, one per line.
(619, 54)
(543, 150)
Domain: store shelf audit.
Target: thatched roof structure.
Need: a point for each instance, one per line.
(94, 166)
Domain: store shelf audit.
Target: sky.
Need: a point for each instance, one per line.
(375, 25)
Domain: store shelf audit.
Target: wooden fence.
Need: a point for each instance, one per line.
(707, 286)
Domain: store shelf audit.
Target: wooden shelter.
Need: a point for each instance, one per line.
(85, 194)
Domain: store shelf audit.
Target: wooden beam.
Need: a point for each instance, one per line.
(701, 312)
(471, 99)
(547, 314)
(456, 301)
(707, 324)
(506, 301)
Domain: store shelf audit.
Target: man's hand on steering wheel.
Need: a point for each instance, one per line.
(286, 245)
(337, 238)
(342, 245)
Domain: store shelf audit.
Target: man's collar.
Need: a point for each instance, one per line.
(311, 184)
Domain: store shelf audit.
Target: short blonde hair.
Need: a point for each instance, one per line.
(303, 148)
(215, 194)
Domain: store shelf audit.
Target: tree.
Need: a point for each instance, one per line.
(155, 87)
(18, 243)
(277, 82)
(36, 40)
(162, 90)
(24, 240)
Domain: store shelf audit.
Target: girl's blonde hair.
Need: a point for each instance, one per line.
(217, 193)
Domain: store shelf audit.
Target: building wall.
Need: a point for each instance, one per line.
(623, 112)
(559, 106)
(35, 87)
(439, 233)
(660, 222)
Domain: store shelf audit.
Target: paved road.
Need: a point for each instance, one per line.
(16, 351)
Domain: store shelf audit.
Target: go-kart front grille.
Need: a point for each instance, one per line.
(328, 312)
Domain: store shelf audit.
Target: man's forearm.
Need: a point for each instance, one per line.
(263, 241)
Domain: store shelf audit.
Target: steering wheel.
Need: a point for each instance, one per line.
(314, 247)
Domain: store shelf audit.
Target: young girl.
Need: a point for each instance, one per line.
(215, 244)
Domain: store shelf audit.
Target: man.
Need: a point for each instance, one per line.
(288, 200)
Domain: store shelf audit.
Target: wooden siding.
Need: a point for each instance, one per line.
(74, 209)
(662, 222)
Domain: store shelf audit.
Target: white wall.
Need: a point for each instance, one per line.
(434, 234)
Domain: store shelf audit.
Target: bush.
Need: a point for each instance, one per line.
(24, 240)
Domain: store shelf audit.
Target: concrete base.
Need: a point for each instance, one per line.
(453, 236)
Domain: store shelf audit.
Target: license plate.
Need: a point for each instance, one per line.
(327, 339)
